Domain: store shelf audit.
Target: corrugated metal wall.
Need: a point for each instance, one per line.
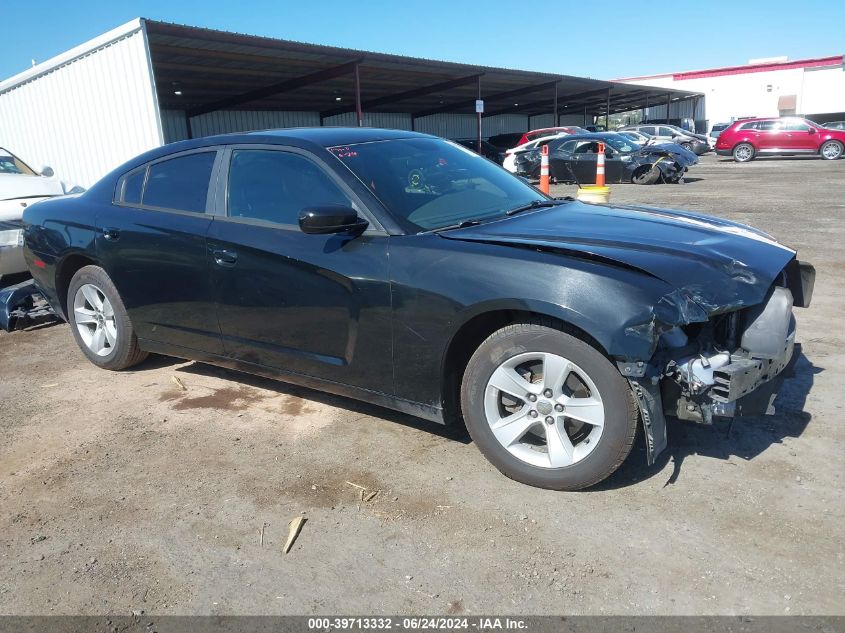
(685, 109)
(390, 120)
(446, 125)
(87, 116)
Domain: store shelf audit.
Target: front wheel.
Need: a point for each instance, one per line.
(831, 150)
(99, 321)
(743, 152)
(546, 408)
(646, 175)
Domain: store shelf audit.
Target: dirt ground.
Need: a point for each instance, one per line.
(123, 491)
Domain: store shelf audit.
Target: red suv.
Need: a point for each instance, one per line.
(779, 137)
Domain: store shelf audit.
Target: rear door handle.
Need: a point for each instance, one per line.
(111, 234)
(224, 257)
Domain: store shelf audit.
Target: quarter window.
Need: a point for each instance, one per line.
(133, 186)
(180, 183)
(276, 186)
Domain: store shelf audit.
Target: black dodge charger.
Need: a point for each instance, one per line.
(405, 270)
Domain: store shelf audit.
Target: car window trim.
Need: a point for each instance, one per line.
(209, 199)
(222, 188)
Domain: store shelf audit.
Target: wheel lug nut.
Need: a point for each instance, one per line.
(550, 420)
(532, 413)
(558, 407)
(532, 397)
(548, 393)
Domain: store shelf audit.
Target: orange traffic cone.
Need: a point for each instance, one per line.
(544, 169)
(600, 167)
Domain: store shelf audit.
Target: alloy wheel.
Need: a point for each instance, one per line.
(743, 153)
(831, 151)
(544, 409)
(93, 316)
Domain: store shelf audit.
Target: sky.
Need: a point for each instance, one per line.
(604, 40)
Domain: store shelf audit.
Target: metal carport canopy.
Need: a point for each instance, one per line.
(200, 70)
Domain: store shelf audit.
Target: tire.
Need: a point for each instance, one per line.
(646, 175)
(688, 146)
(589, 386)
(744, 152)
(831, 150)
(99, 321)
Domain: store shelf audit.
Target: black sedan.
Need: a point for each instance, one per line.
(574, 158)
(404, 270)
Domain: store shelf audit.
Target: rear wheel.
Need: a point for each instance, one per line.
(546, 408)
(831, 150)
(743, 152)
(99, 321)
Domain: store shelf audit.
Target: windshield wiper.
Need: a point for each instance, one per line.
(536, 204)
(460, 225)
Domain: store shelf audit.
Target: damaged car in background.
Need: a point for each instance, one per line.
(20, 186)
(572, 159)
(405, 270)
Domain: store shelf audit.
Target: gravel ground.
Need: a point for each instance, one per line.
(123, 491)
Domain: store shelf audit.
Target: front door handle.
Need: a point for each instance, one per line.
(224, 258)
(111, 234)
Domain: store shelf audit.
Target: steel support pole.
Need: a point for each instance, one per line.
(607, 112)
(478, 115)
(359, 112)
(555, 118)
(188, 126)
(668, 103)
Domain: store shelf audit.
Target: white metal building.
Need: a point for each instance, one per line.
(813, 88)
(147, 83)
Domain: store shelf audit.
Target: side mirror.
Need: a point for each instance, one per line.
(812, 130)
(47, 171)
(330, 218)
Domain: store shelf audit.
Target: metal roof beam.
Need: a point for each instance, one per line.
(408, 94)
(493, 97)
(274, 89)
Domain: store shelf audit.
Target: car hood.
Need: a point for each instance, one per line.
(680, 153)
(14, 186)
(717, 264)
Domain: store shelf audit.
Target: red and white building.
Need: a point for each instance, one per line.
(814, 88)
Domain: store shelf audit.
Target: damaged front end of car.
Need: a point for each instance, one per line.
(719, 361)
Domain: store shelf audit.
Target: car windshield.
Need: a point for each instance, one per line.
(428, 183)
(11, 164)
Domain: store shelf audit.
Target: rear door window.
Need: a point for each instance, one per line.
(795, 126)
(648, 129)
(180, 183)
(276, 186)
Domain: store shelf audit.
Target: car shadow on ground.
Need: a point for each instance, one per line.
(456, 432)
(746, 438)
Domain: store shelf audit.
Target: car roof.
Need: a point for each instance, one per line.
(772, 118)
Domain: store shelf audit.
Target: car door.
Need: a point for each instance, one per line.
(800, 136)
(769, 137)
(314, 305)
(585, 161)
(151, 242)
